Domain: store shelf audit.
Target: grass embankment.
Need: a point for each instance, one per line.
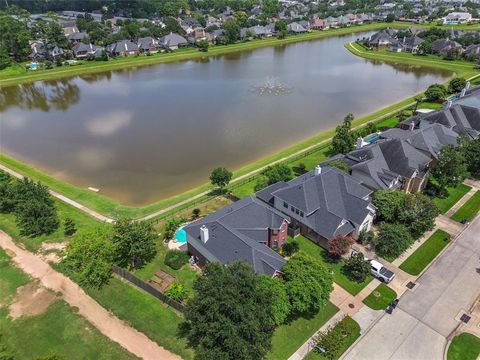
(17, 74)
(454, 194)
(424, 255)
(337, 267)
(469, 210)
(464, 347)
(347, 341)
(57, 331)
(380, 298)
(290, 336)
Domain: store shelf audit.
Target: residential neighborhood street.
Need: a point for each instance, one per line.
(427, 317)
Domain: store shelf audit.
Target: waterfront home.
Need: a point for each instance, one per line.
(323, 204)
(85, 51)
(387, 164)
(148, 45)
(123, 48)
(383, 38)
(318, 24)
(43, 51)
(407, 44)
(472, 52)
(199, 34)
(246, 230)
(77, 37)
(455, 18)
(296, 28)
(444, 46)
(173, 41)
(332, 22)
(255, 32)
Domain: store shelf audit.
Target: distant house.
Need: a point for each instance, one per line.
(246, 230)
(454, 18)
(472, 52)
(318, 24)
(444, 46)
(43, 51)
(332, 22)
(84, 51)
(296, 28)
(173, 41)
(388, 164)
(324, 204)
(77, 37)
(199, 34)
(148, 45)
(69, 27)
(257, 31)
(123, 48)
(407, 44)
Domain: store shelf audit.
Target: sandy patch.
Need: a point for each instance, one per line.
(31, 300)
(53, 246)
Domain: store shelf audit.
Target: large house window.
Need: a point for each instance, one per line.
(285, 205)
(301, 213)
(292, 208)
(297, 211)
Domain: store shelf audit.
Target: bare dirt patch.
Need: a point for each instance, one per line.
(31, 300)
(46, 246)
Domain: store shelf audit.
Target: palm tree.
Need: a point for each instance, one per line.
(418, 99)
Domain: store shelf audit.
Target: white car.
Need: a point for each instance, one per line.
(381, 272)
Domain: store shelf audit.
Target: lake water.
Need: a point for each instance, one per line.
(142, 134)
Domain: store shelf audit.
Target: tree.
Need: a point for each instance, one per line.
(89, 258)
(357, 267)
(176, 259)
(418, 100)
(388, 204)
(425, 47)
(277, 172)
(228, 317)
(339, 245)
(339, 165)
(270, 8)
(418, 214)
(275, 288)
(290, 248)
(435, 92)
(134, 242)
(203, 46)
(308, 283)
(176, 292)
(344, 139)
(69, 227)
(392, 240)
(220, 177)
(471, 151)
(7, 198)
(171, 227)
(262, 183)
(195, 213)
(456, 85)
(4, 58)
(390, 18)
(451, 168)
(280, 25)
(232, 30)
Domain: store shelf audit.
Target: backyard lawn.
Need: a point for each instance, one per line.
(464, 347)
(289, 337)
(337, 267)
(454, 194)
(348, 341)
(419, 260)
(469, 210)
(56, 331)
(380, 298)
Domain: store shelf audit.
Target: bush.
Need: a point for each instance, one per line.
(290, 248)
(435, 92)
(69, 227)
(333, 340)
(357, 267)
(366, 237)
(277, 172)
(339, 246)
(195, 213)
(176, 292)
(176, 259)
(171, 227)
(456, 85)
(392, 240)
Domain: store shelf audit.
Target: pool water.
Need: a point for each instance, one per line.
(181, 235)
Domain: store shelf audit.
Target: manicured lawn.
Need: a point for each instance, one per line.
(289, 337)
(348, 341)
(337, 267)
(57, 331)
(469, 210)
(83, 222)
(419, 260)
(380, 298)
(454, 194)
(145, 313)
(464, 347)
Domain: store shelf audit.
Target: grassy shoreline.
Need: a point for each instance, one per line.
(10, 76)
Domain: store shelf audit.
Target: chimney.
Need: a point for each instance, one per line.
(411, 126)
(462, 94)
(360, 143)
(467, 85)
(204, 234)
(318, 170)
(449, 104)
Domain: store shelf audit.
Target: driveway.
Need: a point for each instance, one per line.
(426, 316)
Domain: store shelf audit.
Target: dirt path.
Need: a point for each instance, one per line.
(129, 338)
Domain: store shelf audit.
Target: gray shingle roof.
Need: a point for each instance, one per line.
(238, 233)
(173, 39)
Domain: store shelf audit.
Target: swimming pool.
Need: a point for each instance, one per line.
(181, 235)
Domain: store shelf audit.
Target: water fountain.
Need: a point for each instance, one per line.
(271, 86)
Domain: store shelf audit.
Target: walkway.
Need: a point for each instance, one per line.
(109, 325)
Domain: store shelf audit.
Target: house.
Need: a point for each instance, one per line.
(148, 45)
(383, 38)
(246, 230)
(77, 37)
(318, 24)
(84, 51)
(427, 137)
(69, 27)
(123, 48)
(173, 41)
(323, 204)
(255, 32)
(410, 44)
(388, 164)
(332, 22)
(472, 52)
(444, 46)
(198, 34)
(454, 18)
(43, 51)
(296, 28)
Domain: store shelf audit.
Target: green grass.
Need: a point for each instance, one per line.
(419, 260)
(464, 347)
(289, 337)
(349, 340)
(57, 331)
(83, 222)
(469, 210)
(145, 313)
(380, 298)
(337, 267)
(454, 194)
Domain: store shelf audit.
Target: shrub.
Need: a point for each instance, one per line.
(69, 227)
(277, 172)
(195, 213)
(333, 340)
(176, 292)
(290, 248)
(366, 237)
(456, 85)
(171, 227)
(357, 267)
(435, 92)
(176, 259)
(339, 246)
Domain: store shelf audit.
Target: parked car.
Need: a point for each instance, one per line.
(381, 272)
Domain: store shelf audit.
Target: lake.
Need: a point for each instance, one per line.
(143, 134)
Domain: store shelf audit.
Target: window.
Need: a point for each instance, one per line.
(292, 208)
(301, 213)
(274, 232)
(285, 205)
(297, 211)
(275, 244)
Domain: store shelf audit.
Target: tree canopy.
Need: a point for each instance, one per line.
(451, 168)
(392, 240)
(220, 177)
(277, 172)
(344, 139)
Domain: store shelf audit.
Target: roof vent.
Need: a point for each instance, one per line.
(204, 236)
(464, 90)
(318, 170)
(411, 126)
(467, 85)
